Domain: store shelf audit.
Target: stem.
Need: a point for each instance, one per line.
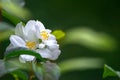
(0, 14)
(31, 75)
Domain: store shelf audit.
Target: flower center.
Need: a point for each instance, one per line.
(44, 35)
(31, 44)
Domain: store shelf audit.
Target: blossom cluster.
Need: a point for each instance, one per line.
(36, 37)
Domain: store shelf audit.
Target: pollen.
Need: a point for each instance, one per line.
(44, 35)
(31, 44)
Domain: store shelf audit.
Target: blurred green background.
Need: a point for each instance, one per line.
(98, 16)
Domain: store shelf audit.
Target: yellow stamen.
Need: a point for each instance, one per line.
(31, 44)
(44, 35)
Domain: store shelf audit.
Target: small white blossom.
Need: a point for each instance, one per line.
(51, 49)
(35, 37)
(24, 37)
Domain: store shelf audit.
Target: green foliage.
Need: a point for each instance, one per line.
(80, 64)
(18, 51)
(108, 71)
(12, 18)
(19, 74)
(12, 10)
(59, 34)
(43, 71)
(91, 39)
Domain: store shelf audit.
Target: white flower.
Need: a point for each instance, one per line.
(24, 37)
(48, 48)
(35, 37)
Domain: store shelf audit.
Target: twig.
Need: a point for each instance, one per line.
(0, 14)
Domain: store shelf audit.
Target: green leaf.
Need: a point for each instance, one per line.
(12, 11)
(11, 17)
(59, 34)
(19, 74)
(80, 64)
(108, 71)
(91, 39)
(18, 51)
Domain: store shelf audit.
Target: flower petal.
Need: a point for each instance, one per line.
(55, 54)
(24, 58)
(31, 37)
(44, 53)
(19, 30)
(17, 41)
(51, 37)
(48, 30)
(54, 47)
(30, 26)
(51, 71)
(39, 26)
(49, 54)
(50, 42)
(10, 47)
(41, 46)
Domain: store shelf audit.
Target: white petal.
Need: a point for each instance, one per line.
(51, 37)
(41, 45)
(48, 30)
(31, 37)
(30, 26)
(53, 47)
(39, 26)
(17, 41)
(55, 54)
(44, 53)
(52, 70)
(50, 42)
(23, 58)
(49, 54)
(19, 29)
(10, 47)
